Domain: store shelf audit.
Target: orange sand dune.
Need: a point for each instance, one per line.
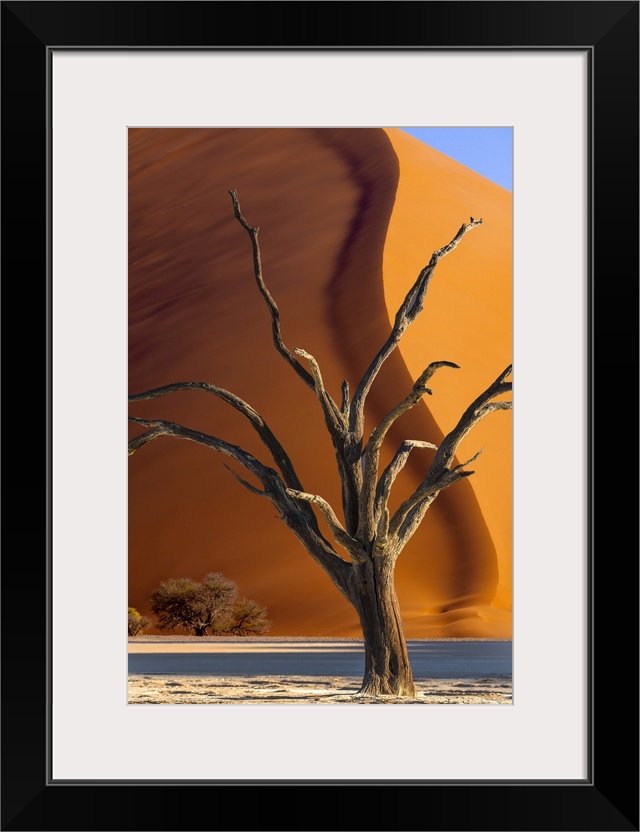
(340, 234)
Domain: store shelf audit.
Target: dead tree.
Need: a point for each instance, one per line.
(371, 537)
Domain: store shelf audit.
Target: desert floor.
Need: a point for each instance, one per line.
(183, 670)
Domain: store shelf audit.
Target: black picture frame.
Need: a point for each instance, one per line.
(608, 798)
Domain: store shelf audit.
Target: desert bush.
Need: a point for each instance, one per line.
(136, 622)
(248, 618)
(209, 607)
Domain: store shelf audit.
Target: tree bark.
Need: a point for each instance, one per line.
(387, 668)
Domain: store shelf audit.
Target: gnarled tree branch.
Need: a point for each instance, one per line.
(440, 474)
(415, 515)
(332, 413)
(344, 407)
(280, 456)
(479, 408)
(258, 491)
(392, 470)
(350, 474)
(409, 310)
(352, 546)
(278, 342)
(371, 455)
(334, 420)
(274, 488)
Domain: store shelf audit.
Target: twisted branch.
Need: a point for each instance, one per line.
(371, 455)
(406, 314)
(280, 456)
(440, 474)
(415, 515)
(344, 407)
(278, 342)
(352, 546)
(161, 427)
(246, 484)
(479, 408)
(274, 488)
(392, 470)
(333, 415)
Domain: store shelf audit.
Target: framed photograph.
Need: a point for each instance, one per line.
(247, 609)
(80, 80)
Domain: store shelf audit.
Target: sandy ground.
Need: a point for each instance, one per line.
(188, 671)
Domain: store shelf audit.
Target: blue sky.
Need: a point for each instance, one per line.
(487, 150)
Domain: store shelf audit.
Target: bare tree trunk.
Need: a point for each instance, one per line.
(387, 668)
